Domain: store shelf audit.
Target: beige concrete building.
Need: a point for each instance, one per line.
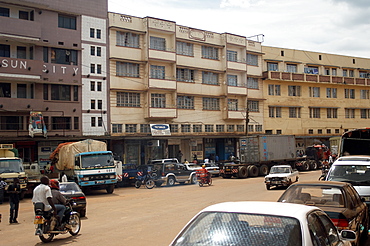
(192, 81)
(314, 95)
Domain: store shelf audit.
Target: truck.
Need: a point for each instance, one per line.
(88, 163)
(281, 175)
(355, 142)
(11, 166)
(259, 153)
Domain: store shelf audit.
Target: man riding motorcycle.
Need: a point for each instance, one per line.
(59, 200)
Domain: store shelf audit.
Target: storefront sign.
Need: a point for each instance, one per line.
(160, 129)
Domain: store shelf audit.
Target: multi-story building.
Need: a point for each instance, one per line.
(314, 95)
(179, 88)
(47, 53)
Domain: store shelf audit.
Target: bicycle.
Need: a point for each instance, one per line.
(148, 180)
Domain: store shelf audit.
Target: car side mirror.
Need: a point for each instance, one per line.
(348, 235)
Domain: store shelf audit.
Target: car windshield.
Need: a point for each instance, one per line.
(11, 165)
(314, 195)
(69, 188)
(97, 160)
(279, 170)
(357, 175)
(222, 228)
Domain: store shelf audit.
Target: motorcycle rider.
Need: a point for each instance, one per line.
(42, 193)
(205, 172)
(58, 199)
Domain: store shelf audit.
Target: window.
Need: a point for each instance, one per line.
(98, 69)
(350, 113)
(258, 128)
(45, 92)
(314, 91)
(252, 83)
(275, 112)
(250, 128)
(314, 112)
(127, 69)
(232, 104)
(331, 92)
(98, 51)
(279, 131)
(64, 56)
(327, 71)
(4, 12)
(185, 75)
(21, 52)
(220, 128)
(208, 128)
(232, 80)
(334, 71)
(92, 68)
(274, 90)
(61, 123)
(5, 90)
(364, 94)
(130, 128)
(92, 85)
(319, 131)
(157, 43)
(92, 104)
(99, 86)
(157, 72)
(240, 128)
(351, 73)
(185, 102)
(209, 78)
(232, 56)
(116, 128)
(23, 15)
(252, 60)
(98, 33)
(209, 52)
(174, 128)
(11, 123)
(100, 121)
(332, 113)
(197, 128)
(291, 68)
(61, 92)
(76, 123)
(92, 50)
(294, 90)
(67, 21)
(144, 128)
(363, 74)
(310, 131)
(128, 99)
(230, 128)
(328, 131)
(45, 54)
(92, 33)
(4, 50)
(365, 113)
(294, 112)
(345, 72)
(21, 90)
(211, 103)
(253, 106)
(128, 39)
(311, 70)
(272, 66)
(100, 104)
(185, 128)
(183, 48)
(158, 100)
(349, 93)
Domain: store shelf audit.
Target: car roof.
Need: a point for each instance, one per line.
(321, 183)
(281, 166)
(263, 207)
(357, 158)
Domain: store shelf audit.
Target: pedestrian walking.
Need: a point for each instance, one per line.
(3, 184)
(14, 190)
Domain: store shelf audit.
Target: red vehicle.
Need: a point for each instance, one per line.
(204, 177)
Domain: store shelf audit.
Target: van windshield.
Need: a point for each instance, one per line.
(355, 174)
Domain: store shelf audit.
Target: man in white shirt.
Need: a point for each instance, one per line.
(42, 193)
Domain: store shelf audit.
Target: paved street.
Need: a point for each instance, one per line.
(140, 217)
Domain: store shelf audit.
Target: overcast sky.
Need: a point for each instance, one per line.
(329, 26)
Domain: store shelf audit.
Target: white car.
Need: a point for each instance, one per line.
(262, 223)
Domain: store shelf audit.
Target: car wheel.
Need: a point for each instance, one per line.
(171, 181)
(194, 179)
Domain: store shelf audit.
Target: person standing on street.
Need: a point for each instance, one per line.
(3, 184)
(14, 190)
(179, 156)
(42, 193)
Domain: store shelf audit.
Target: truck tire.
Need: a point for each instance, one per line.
(313, 165)
(252, 171)
(305, 166)
(110, 189)
(263, 170)
(243, 173)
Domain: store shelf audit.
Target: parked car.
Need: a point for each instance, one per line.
(213, 169)
(166, 160)
(281, 175)
(262, 223)
(171, 173)
(71, 190)
(338, 199)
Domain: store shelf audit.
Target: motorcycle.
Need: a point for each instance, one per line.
(324, 171)
(148, 180)
(48, 226)
(203, 178)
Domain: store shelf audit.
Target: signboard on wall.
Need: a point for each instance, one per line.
(160, 129)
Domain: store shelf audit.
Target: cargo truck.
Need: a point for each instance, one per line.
(88, 163)
(11, 166)
(259, 153)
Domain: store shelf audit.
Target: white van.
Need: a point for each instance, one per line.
(354, 170)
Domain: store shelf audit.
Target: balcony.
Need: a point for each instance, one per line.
(20, 29)
(236, 115)
(303, 77)
(162, 84)
(236, 90)
(237, 66)
(122, 52)
(162, 55)
(162, 113)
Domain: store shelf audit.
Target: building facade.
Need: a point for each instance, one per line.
(46, 71)
(193, 81)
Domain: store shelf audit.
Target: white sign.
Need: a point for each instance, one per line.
(160, 129)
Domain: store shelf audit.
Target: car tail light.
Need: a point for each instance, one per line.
(79, 198)
(341, 224)
(38, 217)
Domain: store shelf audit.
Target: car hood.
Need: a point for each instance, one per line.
(363, 190)
(277, 175)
